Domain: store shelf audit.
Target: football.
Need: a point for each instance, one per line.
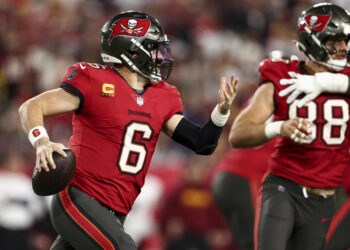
(48, 183)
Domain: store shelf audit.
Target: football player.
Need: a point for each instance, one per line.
(119, 111)
(241, 169)
(296, 201)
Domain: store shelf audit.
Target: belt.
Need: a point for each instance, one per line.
(319, 191)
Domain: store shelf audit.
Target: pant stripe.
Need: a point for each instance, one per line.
(337, 218)
(92, 219)
(257, 218)
(254, 187)
(83, 222)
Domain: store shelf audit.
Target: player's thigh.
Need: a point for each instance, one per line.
(232, 193)
(85, 224)
(234, 199)
(274, 218)
(340, 240)
(315, 213)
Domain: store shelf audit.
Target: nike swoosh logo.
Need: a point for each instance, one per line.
(325, 220)
(82, 66)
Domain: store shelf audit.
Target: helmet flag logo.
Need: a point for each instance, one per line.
(314, 22)
(129, 27)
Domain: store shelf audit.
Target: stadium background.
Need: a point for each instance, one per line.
(40, 39)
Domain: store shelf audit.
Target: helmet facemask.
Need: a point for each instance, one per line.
(335, 63)
(160, 64)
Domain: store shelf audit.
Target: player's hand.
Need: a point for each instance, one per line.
(227, 94)
(296, 129)
(44, 149)
(300, 84)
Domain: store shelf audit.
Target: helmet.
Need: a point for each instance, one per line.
(318, 24)
(136, 40)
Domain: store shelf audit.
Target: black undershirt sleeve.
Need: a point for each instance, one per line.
(202, 140)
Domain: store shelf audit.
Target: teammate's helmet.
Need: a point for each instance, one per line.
(318, 24)
(136, 40)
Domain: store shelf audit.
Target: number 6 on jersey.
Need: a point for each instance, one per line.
(130, 149)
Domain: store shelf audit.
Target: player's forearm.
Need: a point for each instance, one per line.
(245, 134)
(333, 82)
(202, 140)
(31, 115)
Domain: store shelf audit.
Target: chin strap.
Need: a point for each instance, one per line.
(335, 64)
(153, 78)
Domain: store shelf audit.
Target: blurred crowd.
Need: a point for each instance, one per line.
(40, 39)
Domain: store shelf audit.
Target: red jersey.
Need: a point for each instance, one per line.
(320, 160)
(239, 161)
(249, 163)
(115, 131)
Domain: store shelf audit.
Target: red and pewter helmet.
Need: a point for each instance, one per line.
(136, 40)
(321, 22)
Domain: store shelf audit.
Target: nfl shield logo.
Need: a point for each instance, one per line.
(139, 100)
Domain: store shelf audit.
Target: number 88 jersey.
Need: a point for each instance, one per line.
(115, 131)
(320, 160)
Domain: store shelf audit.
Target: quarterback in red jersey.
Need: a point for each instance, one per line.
(296, 201)
(119, 111)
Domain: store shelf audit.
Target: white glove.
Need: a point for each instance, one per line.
(300, 84)
(313, 86)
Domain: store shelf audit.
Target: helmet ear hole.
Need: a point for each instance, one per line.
(149, 45)
(150, 66)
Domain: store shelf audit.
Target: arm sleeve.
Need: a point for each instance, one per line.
(202, 140)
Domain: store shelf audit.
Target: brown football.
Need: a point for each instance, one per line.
(48, 183)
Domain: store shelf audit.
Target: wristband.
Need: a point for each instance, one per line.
(273, 129)
(332, 82)
(37, 133)
(217, 118)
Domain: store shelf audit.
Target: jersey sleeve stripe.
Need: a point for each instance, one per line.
(74, 91)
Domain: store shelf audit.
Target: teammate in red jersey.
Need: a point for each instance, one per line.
(119, 112)
(241, 169)
(312, 149)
